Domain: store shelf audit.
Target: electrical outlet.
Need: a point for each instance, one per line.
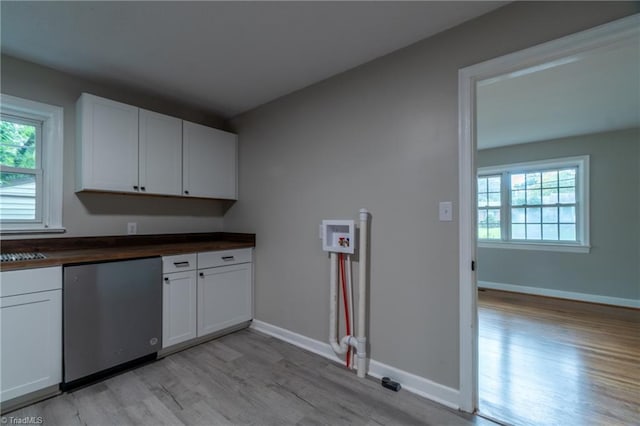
(132, 228)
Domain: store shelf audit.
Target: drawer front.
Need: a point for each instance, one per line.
(178, 263)
(212, 259)
(30, 281)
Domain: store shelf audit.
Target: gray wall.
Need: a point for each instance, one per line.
(610, 269)
(88, 214)
(382, 136)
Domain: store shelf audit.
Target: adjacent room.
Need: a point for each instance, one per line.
(257, 212)
(557, 269)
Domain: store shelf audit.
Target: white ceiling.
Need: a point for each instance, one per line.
(592, 92)
(226, 57)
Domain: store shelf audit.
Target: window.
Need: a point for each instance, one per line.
(536, 205)
(30, 166)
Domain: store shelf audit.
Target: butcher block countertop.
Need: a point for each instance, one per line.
(64, 251)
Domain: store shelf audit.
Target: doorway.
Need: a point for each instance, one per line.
(549, 56)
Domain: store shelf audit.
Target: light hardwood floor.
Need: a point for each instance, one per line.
(242, 378)
(547, 361)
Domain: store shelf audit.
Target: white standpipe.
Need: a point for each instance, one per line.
(362, 294)
(359, 342)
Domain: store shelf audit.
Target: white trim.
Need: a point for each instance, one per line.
(52, 118)
(567, 248)
(413, 383)
(607, 35)
(561, 294)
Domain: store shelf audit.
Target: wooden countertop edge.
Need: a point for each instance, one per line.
(70, 256)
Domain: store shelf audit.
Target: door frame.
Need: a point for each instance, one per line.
(612, 34)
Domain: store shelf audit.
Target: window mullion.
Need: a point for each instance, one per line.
(505, 206)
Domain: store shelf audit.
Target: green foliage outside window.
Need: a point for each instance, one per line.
(17, 148)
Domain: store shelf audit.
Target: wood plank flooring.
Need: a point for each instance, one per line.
(546, 361)
(245, 378)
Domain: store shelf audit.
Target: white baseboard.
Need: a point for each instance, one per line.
(416, 384)
(583, 297)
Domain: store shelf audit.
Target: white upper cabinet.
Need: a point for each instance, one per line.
(107, 146)
(209, 162)
(160, 143)
(122, 148)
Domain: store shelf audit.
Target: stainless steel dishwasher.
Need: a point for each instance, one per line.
(112, 317)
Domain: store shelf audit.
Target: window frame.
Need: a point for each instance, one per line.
(49, 195)
(582, 245)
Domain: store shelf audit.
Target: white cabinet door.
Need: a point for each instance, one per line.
(107, 148)
(209, 162)
(160, 168)
(179, 306)
(224, 297)
(31, 342)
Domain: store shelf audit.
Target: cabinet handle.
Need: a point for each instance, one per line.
(166, 280)
(180, 264)
(142, 188)
(202, 274)
(135, 187)
(228, 258)
(186, 192)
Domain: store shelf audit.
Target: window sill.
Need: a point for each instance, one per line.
(52, 230)
(567, 248)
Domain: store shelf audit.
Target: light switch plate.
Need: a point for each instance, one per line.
(446, 211)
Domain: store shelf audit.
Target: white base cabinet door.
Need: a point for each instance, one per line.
(31, 342)
(224, 297)
(179, 304)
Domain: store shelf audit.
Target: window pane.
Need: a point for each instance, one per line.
(494, 233)
(567, 195)
(17, 145)
(482, 216)
(482, 233)
(567, 232)
(550, 232)
(534, 232)
(17, 196)
(518, 198)
(550, 215)
(517, 181)
(494, 199)
(482, 184)
(494, 184)
(567, 214)
(534, 180)
(567, 177)
(518, 232)
(517, 216)
(534, 215)
(482, 200)
(493, 217)
(533, 197)
(550, 179)
(550, 196)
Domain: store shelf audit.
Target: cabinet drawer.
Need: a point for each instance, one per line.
(211, 259)
(30, 281)
(177, 263)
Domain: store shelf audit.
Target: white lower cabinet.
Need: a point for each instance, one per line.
(224, 297)
(205, 292)
(179, 304)
(31, 350)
